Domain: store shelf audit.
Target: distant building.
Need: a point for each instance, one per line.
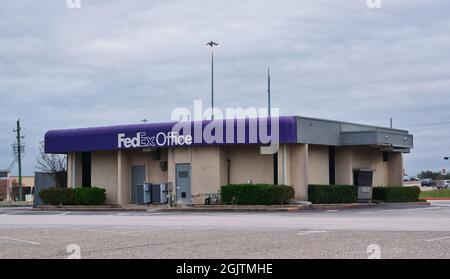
(27, 184)
(4, 173)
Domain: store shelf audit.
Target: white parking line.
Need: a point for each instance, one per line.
(376, 211)
(423, 208)
(398, 210)
(439, 238)
(333, 210)
(20, 240)
(310, 232)
(10, 213)
(65, 213)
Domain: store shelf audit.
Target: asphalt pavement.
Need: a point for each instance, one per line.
(389, 231)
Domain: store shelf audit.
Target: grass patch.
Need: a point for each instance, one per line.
(444, 193)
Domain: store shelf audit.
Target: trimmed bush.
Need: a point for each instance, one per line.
(56, 196)
(89, 196)
(318, 194)
(256, 194)
(396, 194)
(73, 196)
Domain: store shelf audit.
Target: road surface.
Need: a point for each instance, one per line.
(404, 231)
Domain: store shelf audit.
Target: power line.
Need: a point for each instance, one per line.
(428, 124)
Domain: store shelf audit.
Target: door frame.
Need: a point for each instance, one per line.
(189, 197)
(132, 198)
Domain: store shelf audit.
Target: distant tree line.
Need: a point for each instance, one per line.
(435, 175)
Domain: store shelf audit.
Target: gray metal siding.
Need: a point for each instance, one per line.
(315, 131)
(348, 127)
(359, 138)
(397, 140)
(329, 132)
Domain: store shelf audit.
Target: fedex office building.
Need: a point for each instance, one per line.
(290, 150)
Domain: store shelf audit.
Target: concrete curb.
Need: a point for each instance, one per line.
(231, 209)
(85, 208)
(4, 204)
(226, 208)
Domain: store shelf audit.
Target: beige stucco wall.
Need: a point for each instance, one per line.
(104, 173)
(248, 164)
(155, 173)
(206, 172)
(304, 164)
(371, 158)
(298, 169)
(318, 164)
(123, 177)
(385, 173)
(207, 169)
(74, 159)
(343, 166)
(395, 165)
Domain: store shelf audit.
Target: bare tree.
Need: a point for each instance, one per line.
(54, 164)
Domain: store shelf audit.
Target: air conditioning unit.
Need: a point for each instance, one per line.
(143, 193)
(159, 193)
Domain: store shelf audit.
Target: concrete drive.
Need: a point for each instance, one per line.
(400, 231)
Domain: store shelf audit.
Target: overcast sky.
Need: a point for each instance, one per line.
(117, 62)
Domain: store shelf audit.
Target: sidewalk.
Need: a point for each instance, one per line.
(15, 204)
(224, 208)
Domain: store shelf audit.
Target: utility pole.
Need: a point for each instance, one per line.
(391, 122)
(18, 150)
(212, 44)
(269, 107)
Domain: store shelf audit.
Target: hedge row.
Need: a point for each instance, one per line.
(256, 194)
(396, 194)
(73, 196)
(318, 194)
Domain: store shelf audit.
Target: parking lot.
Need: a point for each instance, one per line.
(406, 231)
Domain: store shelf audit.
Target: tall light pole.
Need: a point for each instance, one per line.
(269, 106)
(212, 44)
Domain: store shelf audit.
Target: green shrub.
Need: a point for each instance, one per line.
(256, 194)
(396, 194)
(89, 196)
(56, 196)
(318, 194)
(73, 196)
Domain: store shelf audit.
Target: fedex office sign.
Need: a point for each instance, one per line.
(161, 139)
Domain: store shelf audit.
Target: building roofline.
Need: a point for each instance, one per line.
(172, 122)
(351, 123)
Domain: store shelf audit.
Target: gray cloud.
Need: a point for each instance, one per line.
(114, 62)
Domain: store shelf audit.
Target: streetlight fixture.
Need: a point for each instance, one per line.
(446, 158)
(212, 44)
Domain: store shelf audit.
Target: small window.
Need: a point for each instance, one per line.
(385, 156)
(183, 174)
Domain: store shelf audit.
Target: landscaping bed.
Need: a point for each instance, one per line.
(436, 194)
(256, 194)
(73, 196)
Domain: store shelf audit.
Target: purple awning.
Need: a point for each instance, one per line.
(156, 135)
